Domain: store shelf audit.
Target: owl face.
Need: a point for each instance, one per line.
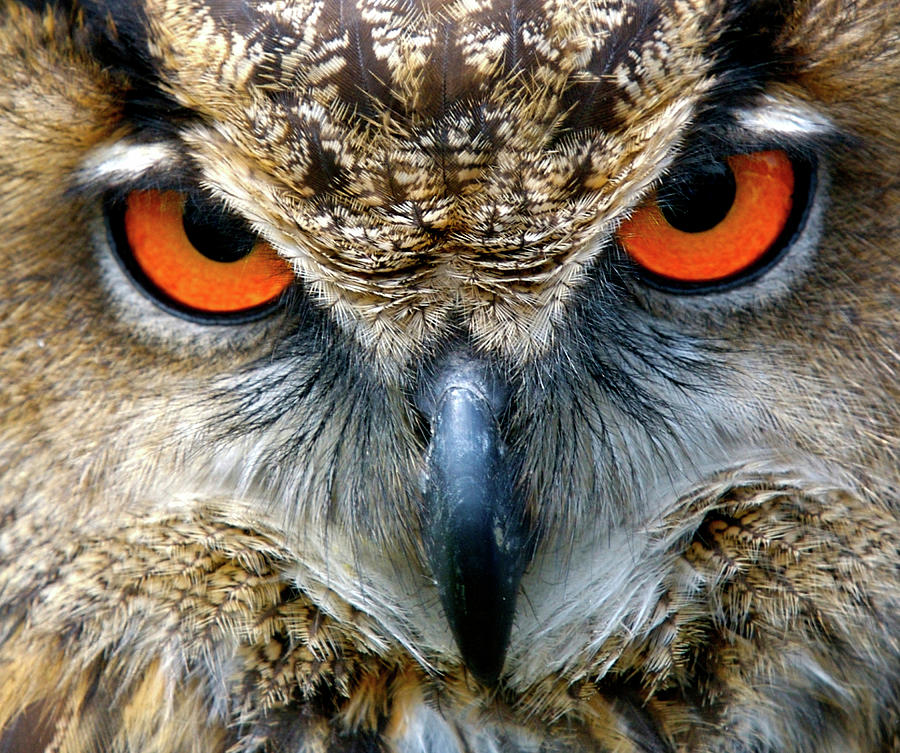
(534, 365)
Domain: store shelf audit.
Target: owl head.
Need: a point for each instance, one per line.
(531, 346)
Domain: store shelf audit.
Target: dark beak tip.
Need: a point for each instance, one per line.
(488, 673)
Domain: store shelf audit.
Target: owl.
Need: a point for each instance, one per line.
(450, 376)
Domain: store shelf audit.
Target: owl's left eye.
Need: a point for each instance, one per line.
(718, 227)
(195, 258)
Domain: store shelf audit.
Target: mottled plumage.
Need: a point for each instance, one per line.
(221, 537)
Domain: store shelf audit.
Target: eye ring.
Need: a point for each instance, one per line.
(649, 217)
(155, 246)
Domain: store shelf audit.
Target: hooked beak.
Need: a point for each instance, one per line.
(476, 537)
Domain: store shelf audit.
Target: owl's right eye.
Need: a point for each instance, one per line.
(721, 228)
(195, 258)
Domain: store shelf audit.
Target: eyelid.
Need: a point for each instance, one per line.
(769, 126)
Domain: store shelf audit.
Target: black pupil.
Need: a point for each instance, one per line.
(215, 232)
(700, 203)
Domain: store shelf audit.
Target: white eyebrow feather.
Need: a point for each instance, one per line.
(123, 161)
(774, 116)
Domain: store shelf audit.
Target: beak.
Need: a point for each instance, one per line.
(476, 537)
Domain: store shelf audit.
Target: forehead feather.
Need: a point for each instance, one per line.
(415, 157)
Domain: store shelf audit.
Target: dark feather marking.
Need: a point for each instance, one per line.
(32, 731)
(747, 54)
(592, 105)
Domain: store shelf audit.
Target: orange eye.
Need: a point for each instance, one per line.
(714, 228)
(199, 258)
